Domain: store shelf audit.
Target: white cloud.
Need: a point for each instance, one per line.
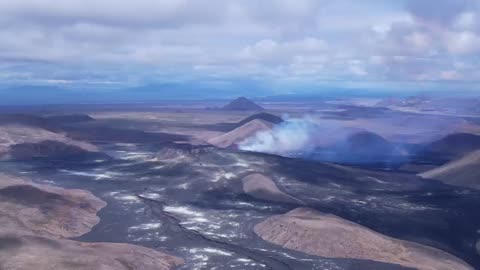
(429, 47)
(418, 40)
(450, 75)
(467, 20)
(358, 70)
(464, 42)
(151, 13)
(267, 40)
(270, 51)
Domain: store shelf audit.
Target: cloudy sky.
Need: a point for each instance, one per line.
(283, 44)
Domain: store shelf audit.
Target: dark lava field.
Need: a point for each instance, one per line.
(214, 207)
(191, 204)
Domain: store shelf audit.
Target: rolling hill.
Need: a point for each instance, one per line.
(461, 172)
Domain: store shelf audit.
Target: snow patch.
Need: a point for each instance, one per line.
(146, 226)
(217, 251)
(96, 176)
(183, 210)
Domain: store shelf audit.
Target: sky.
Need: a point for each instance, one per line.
(274, 46)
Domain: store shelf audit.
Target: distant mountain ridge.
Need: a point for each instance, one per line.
(262, 116)
(454, 146)
(362, 147)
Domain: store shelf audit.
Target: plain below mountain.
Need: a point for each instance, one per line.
(69, 118)
(51, 150)
(48, 122)
(26, 120)
(105, 134)
(73, 128)
(329, 236)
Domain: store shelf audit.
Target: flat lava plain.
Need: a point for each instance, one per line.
(164, 192)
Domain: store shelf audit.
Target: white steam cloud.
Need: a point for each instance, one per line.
(327, 140)
(290, 136)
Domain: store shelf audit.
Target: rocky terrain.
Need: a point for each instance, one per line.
(261, 187)
(268, 117)
(37, 219)
(26, 137)
(240, 134)
(325, 235)
(159, 188)
(65, 136)
(33, 252)
(44, 210)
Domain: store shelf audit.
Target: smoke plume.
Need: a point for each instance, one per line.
(290, 136)
(348, 142)
(328, 142)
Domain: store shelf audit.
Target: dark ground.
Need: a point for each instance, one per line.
(194, 207)
(192, 210)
